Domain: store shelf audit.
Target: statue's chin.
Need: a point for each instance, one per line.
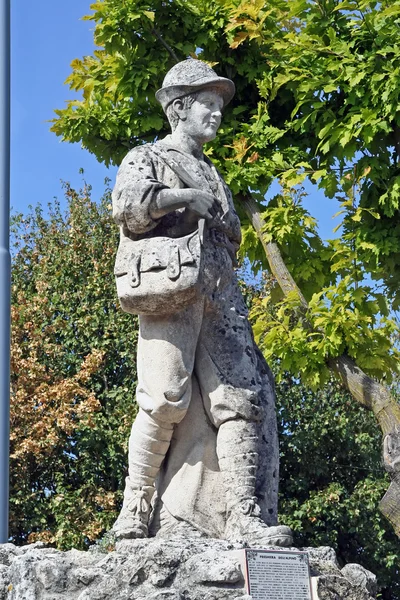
(209, 137)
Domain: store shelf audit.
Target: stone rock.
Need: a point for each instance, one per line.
(323, 554)
(212, 567)
(332, 587)
(331, 583)
(179, 568)
(7, 550)
(360, 577)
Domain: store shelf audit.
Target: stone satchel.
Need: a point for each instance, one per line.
(160, 275)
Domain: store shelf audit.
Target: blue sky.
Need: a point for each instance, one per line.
(46, 37)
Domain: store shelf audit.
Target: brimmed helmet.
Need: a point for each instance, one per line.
(192, 75)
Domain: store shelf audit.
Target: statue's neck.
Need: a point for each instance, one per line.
(187, 144)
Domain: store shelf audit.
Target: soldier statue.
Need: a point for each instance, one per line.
(175, 267)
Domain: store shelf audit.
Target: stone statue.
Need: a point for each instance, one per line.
(205, 433)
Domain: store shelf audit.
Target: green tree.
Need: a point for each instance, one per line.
(331, 479)
(73, 374)
(317, 99)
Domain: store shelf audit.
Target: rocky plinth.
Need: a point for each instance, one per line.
(177, 568)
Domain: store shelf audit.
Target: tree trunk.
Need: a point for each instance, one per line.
(365, 390)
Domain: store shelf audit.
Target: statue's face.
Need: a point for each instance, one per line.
(202, 119)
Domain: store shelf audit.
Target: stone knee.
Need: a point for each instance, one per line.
(166, 400)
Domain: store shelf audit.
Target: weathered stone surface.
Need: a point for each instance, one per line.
(360, 577)
(158, 569)
(212, 567)
(353, 582)
(334, 587)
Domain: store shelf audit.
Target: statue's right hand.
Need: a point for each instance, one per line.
(203, 204)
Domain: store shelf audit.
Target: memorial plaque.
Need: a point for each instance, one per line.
(278, 575)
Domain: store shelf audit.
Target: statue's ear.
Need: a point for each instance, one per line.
(179, 108)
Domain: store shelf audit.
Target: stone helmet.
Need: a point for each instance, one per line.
(189, 76)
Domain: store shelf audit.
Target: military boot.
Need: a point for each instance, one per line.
(148, 444)
(237, 449)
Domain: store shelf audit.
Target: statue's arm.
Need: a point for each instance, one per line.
(135, 189)
(140, 199)
(199, 203)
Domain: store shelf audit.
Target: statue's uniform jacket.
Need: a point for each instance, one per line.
(211, 338)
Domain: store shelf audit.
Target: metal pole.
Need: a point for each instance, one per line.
(5, 264)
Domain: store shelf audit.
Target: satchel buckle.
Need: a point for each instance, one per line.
(174, 263)
(135, 270)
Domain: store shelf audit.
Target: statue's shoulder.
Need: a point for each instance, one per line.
(144, 154)
(138, 152)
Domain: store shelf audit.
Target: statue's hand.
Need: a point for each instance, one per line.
(201, 203)
(204, 204)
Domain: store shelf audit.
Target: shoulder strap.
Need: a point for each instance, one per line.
(167, 158)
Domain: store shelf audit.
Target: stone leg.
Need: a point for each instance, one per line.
(239, 397)
(148, 443)
(237, 450)
(166, 352)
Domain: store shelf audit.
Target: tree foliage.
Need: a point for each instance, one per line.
(73, 374)
(317, 100)
(331, 479)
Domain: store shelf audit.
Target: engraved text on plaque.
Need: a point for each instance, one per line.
(278, 575)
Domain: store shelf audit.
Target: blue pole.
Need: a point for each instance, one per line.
(5, 264)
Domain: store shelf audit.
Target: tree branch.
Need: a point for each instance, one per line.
(274, 257)
(164, 43)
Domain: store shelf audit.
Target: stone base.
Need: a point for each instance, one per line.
(178, 568)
